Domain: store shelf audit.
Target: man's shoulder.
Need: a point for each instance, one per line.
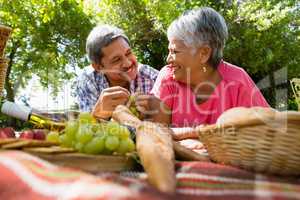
(86, 72)
(89, 74)
(147, 71)
(88, 78)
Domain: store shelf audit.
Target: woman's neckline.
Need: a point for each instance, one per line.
(200, 101)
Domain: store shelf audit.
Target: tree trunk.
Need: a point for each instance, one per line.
(10, 95)
(272, 90)
(8, 85)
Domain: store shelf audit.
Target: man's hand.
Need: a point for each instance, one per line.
(109, 99)
(152, 108)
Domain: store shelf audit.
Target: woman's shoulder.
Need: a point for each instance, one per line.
(166, 74)
(164, 82)
(233, 73)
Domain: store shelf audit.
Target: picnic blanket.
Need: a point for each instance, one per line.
(24, 176)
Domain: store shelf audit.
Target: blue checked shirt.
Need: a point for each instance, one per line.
(91, 83)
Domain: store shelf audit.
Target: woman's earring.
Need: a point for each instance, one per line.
(204, 69)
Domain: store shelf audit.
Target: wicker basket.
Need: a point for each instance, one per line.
(269, 147)
(3, 68)
(295, 83)
(4, 35)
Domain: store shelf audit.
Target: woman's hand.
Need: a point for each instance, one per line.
(153, 109)
(109, 99)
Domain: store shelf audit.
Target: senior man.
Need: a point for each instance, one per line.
(114, 73)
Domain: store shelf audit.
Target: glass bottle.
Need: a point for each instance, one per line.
(26, 113)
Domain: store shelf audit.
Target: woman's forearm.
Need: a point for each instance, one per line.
(184, 133)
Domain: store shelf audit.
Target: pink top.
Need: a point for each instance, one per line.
(236, 89)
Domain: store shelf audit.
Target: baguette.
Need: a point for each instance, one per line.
(155, 148)
(124, 116)
(243, 115)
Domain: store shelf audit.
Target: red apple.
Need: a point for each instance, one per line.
(27, 134)
(39, 134)
(3, 134)
(10, 132)
(7, 132)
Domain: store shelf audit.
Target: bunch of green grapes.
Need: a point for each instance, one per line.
(132, 107)
(88, 136)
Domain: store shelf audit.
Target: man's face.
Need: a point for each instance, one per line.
(118, 63)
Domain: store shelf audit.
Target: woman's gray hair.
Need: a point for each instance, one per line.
(100, 37)
(201, 26)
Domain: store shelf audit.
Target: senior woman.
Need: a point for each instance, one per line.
(197, 86)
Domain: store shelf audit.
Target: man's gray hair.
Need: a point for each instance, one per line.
(100, 37)
(201, 26)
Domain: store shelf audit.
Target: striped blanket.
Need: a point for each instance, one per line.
(24, 176)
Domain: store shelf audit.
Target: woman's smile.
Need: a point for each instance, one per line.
(175, 68)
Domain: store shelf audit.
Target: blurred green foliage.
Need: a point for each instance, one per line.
(48, 37)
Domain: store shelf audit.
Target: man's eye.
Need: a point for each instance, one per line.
(116, 60)
(128, 53)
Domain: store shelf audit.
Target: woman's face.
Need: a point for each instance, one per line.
(183, 60)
